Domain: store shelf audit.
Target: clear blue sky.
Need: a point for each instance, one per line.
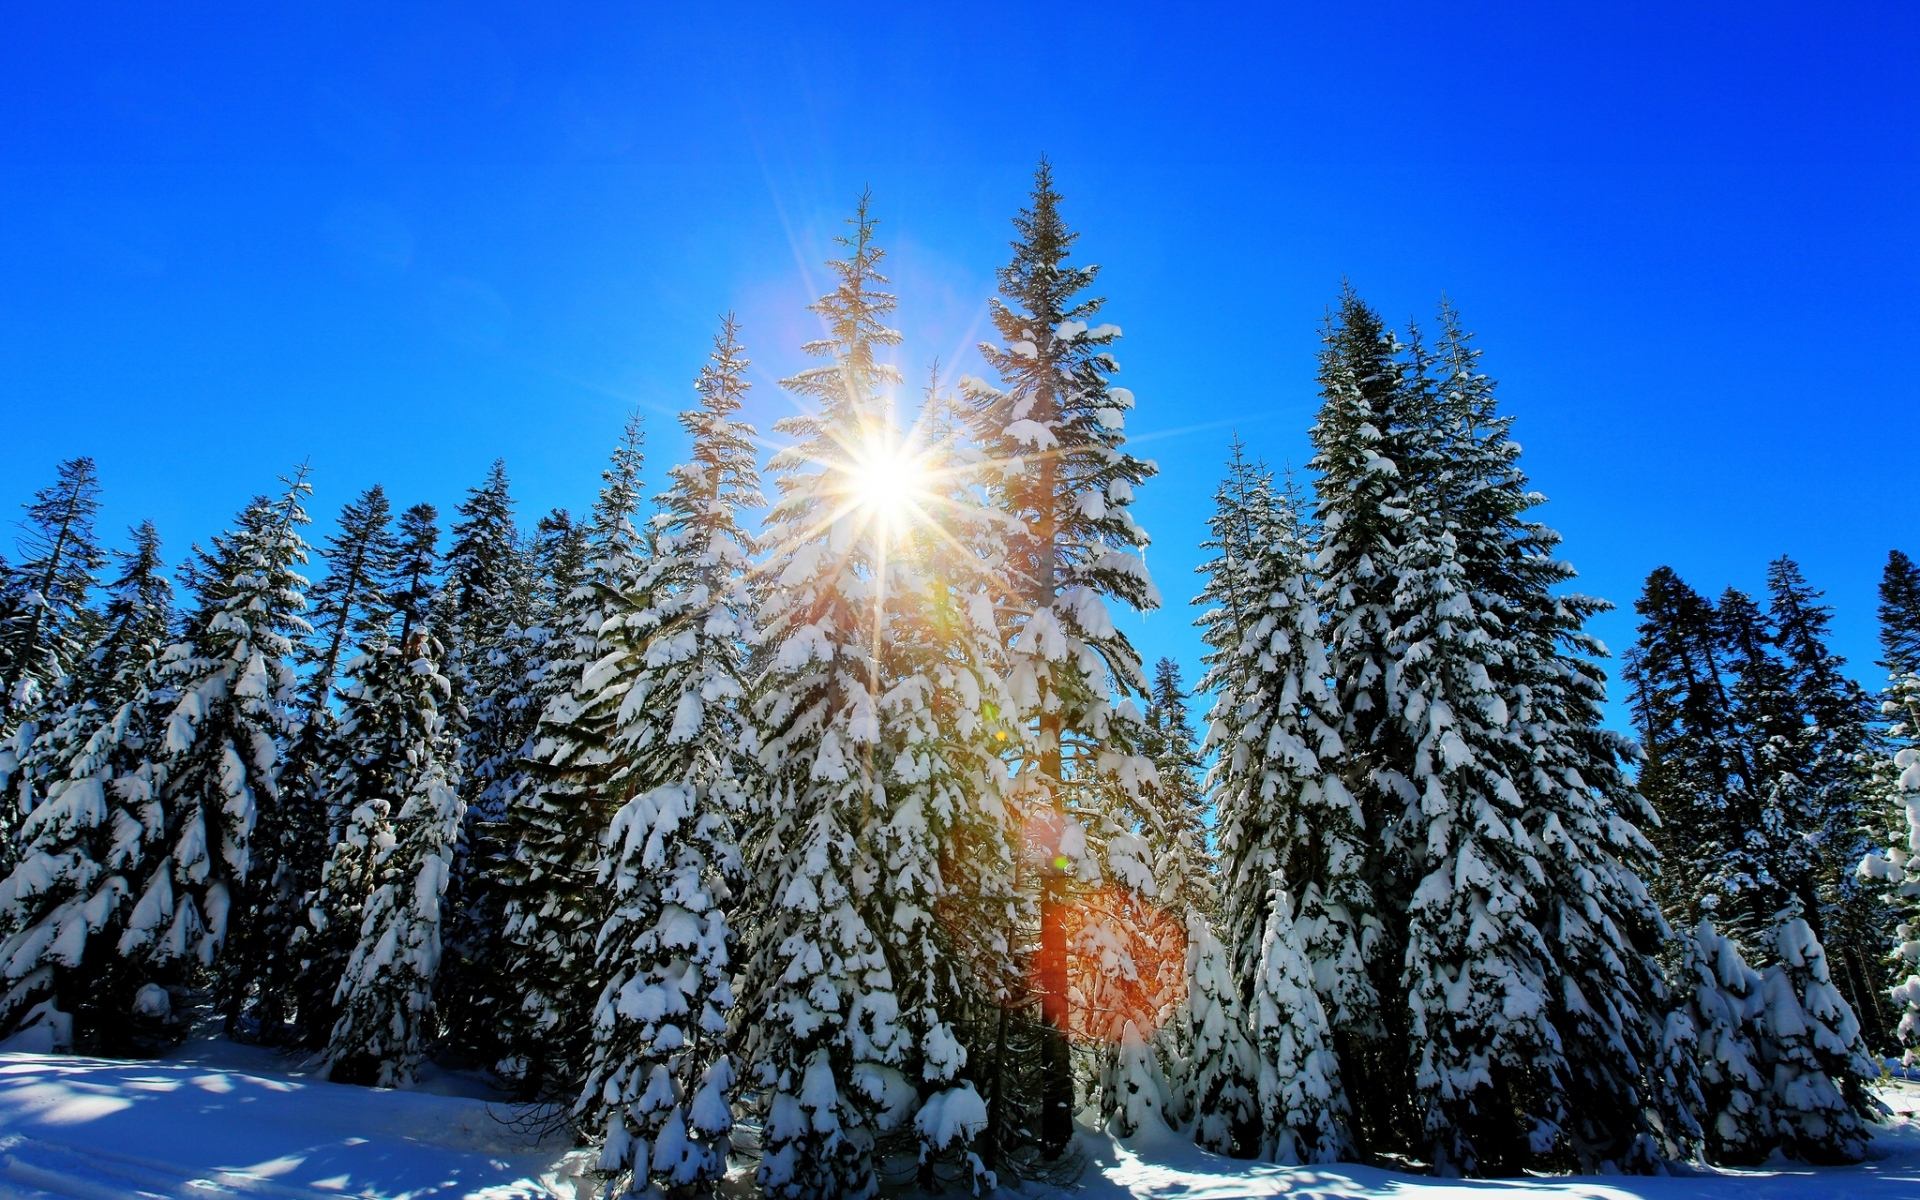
(402, 240)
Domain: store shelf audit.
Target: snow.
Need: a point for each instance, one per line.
(221, 1120)
(217, 1119)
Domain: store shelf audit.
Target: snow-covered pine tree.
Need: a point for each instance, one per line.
(386, 997)
(1722, 994)
(1056, 429)
(1898, 867)
(133, 626)
(1692, 770)
(1301, 1105)
(348, 607)
(948, 838)
(1368, 473)
(1811, 1048)
(364, 777)
(1489, 1069)
(819, 1010)
(1606, 997)
(559, 817)
(43, 621)
(1900, 615)
(92, 822)
(481, 621)
(1219, 1072)
(232, 688)
(1836, 752)
(661, 1079)
(1286, 824)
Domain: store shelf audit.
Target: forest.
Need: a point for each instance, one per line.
(811, 813)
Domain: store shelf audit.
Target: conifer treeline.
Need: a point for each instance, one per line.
(873, 831)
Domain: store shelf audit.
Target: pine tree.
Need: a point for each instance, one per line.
(820, 1009)
(92, 823)
(661, 1080)
(1056, 428)
(1900, 615)
(1723, 994)
(1811, 1044)
(363, 777)
(1579, 807)
(386, 997)
(1286, 824)
(1899, 866)
(1302, 1109)
(560, 816)
(1692, 770)
(1835, 751)
(480, 621)
(231, 685)
(42, 622)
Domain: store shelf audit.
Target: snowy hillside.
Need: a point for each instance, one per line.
(219, 1120)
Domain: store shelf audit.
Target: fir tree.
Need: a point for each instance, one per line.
(820, 1009)
(1287, 826)
(481, 621)
(1834, 754)
(1811, 1044)
(44, 613)
(1579, 807)
(92, 824)
(1723, 994)
(386, 998)
(661, 1080)
(1056, 428)
(1900, 615)
(363, 777)
(231, 687)
(560, 816)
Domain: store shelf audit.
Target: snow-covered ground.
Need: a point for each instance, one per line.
(221, 1120)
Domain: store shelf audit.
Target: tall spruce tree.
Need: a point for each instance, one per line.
(1289, 831)
(560, 816)
(661, 1079)
(1900, 615)
(232, 688)
(43, 614)
(1578, 804)
(92, 823)
(820, 1008)
(362, 777)
(386, 997)
(1056, 428)
(480, 621)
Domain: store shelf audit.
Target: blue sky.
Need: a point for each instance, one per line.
(400, 240)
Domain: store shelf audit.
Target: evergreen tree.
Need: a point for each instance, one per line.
(1811, 1043)
(92, 824)
(1577, 804)
(661, 1080)
(820, 1010)
(560, 816)
(481, 620)
(1900, 615)
(231, 688)
(1835, 752)
(1724, 996)
(363, 775)
(1899, 866)
(43, 613)
(386, 998)
(1692, 770)
(1302, 1109)
(1056, 429)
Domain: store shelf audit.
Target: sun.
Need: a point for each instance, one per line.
(887, 481)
